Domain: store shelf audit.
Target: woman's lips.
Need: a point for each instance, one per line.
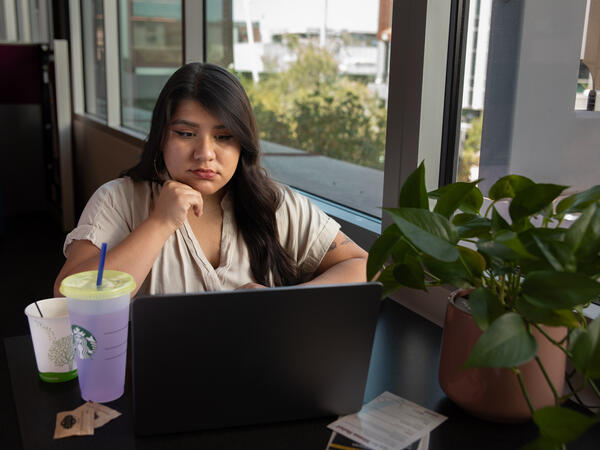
(204, 174)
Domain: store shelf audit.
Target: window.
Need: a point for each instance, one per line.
(94, 66)
(316, 73)
(523, 61)
(151, 49)
(588, 86)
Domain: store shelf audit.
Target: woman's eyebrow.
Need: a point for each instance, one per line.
(185, 122)
(195, 125)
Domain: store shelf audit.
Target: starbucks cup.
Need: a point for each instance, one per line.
(52, 339)
(99, 321)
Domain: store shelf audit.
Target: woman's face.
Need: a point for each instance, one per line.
(200, 151)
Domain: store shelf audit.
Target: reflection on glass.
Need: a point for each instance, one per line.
(151, 49)
(531, 64)
(588, 86)
(476, 49)
(92, 17)
(316, 73)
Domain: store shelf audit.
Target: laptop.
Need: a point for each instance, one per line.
(232, 358)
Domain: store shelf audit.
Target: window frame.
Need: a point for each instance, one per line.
(403, 150)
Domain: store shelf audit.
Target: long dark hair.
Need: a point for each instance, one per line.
(255, 196)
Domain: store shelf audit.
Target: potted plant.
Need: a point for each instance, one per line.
(525, 273)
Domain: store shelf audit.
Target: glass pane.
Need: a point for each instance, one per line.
(151, 49)
(522, 64)
(588, 87)
(316, 73)
(3, 34)
(94, 67)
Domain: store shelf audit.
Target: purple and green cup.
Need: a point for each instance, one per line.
(99, 321)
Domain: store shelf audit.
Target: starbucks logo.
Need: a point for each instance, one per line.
(85, 342)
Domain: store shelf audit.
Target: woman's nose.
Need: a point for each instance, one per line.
(203, 149)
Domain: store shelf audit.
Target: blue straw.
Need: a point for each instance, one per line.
(101, 265)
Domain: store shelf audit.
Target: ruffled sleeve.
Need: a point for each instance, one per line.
(305, 231)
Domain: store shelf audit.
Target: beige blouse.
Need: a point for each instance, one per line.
(120, 205)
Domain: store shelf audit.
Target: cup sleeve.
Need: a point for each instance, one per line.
(103, 218)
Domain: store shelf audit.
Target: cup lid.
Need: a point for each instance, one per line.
(82, 285)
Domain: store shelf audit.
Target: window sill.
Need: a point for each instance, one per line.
(125, 134)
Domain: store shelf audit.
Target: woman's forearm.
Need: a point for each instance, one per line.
(135, 254)
(353, 270)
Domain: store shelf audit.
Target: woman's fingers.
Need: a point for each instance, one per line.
(174, 202)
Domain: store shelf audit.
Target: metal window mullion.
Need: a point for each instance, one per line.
(111, 47)
(63, 123)
(25, 20)
(409, 18)
(454, 89)
(10, 19)
(46, 31)
(89, 75)
(76, 56)
(193, 31)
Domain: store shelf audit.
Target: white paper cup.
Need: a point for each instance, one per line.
(52, 340)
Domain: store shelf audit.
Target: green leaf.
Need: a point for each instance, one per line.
(431, 233)
(593, 367)
(471, 225)
(562, 424)
(551, 317)
(472, 202)
(401, 249)
(581, 346)
(387, 278)
(559, 290)
(410, 273)
(533, 199)
(548, 254)
(512, 241)
(498, 222)
(576, 234)
(578, 202)
(509, 186)
(381, 249)
(549, 246)
(588, 240)
(474, 261)
(548, 211)
(414, 193)
(506, 246)
(506, 343)
(451, 196)
(455, 273)
(485, 307)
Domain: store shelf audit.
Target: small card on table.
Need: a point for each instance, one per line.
(388, 422)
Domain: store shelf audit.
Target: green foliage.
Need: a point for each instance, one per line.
(469, 155)
(522, 271)
(310, 106)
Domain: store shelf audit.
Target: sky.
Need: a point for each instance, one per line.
(352, 15)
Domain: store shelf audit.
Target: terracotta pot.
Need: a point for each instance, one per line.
(491, 393)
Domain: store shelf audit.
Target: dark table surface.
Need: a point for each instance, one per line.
(404, 361)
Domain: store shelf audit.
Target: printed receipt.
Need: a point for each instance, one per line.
(388, 422)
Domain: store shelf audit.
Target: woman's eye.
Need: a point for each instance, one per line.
(223, 137)
(185, 134)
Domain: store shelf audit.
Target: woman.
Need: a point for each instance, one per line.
(199, 212)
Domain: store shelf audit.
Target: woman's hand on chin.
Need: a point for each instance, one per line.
(174, 201)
